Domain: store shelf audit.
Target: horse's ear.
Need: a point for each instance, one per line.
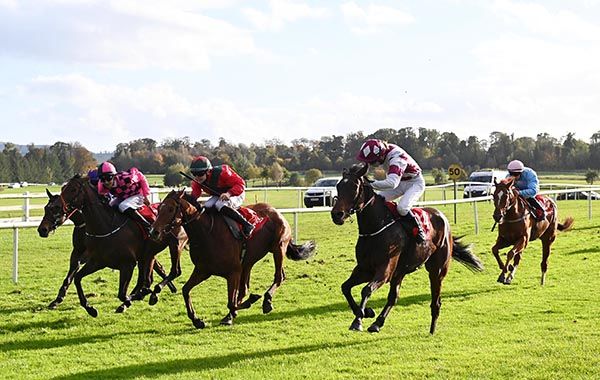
(345, 171)
(495, 181)
(362, 171)
(48, 193)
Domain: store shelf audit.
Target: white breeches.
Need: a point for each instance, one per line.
(234, 202)
(134, 202)
(410, 190)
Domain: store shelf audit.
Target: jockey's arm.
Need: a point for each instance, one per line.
(532, 188)
(390, 182)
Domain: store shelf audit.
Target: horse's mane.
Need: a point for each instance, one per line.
(508, 181)
(354, 169)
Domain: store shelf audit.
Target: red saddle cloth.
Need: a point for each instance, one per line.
(251, 216)
(422, 215)
(546, 202)
(149, 212)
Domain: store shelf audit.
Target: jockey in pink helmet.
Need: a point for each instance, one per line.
(526, 180)
(404, 178)
(128, 189)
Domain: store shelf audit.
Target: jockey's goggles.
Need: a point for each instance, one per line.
(199, 173)
(106, 177)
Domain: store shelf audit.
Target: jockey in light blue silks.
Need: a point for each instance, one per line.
(526, 180)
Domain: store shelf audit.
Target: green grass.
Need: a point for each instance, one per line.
(485, 331)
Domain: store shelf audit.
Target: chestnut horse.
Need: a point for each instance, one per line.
(215, 251)
(517, 227)
(386, 253)
(54, 217)
(114, 240)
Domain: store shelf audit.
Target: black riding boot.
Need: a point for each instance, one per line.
(538, 210)
(413, 227)
(247, 227)
(135, 215)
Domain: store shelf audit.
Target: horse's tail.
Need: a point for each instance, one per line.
(462, 253)
(566, 224)
(298, 252)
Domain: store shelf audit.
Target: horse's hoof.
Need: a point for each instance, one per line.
(508, 281)
(157, 289)
(54, 304)
(121, 309)
(356, 325)
(267, 307)
(369, 312)
(92, 311)
(227, 321)
(374, 328)
(198, 323)
(501, 278)
(153, 299)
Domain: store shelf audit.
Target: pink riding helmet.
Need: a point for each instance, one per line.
(106, 169)
(371, 151)
(515, 166)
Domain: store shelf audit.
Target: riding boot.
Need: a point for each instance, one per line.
(413, 227)
(538, 210)
(135, 215)
(247, 227)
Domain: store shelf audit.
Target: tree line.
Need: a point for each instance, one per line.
(280, 162)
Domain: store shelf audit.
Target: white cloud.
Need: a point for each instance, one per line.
(121, 33)
(373, 18)
(282, 12)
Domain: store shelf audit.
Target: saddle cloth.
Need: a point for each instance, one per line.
(422, 216)
(251, 216)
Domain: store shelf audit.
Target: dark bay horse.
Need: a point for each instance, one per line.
(385, 252)
(115, 241)
(517, 227)
(215, 251)
(54, 217)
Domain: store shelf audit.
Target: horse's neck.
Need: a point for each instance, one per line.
(374, 213)
(200, 227)
(97, 216)
(519, 207)
(77, 218)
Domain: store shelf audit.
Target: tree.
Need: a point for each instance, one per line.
(591, 176)
(439, 176)
(312, 175)
(276, 173)
(296, 180)
(172, 177)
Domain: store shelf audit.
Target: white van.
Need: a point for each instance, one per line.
(483, 182)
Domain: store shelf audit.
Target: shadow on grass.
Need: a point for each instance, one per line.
(583, 251)
(424, 298)
(199, 364)
(21, 327)
(48, 343)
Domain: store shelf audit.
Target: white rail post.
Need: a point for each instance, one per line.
(15, 274)
(590, 205)
(476, 218)
(295, 226)
(26, 206)
(299, 198)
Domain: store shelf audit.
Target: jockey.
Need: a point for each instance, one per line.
(92, 175)
(129, 190)
(225, 187)
(526, 180)
(404, 178)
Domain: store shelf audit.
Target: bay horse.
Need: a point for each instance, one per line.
(517, 226)
(115, 241)
(54, 217)
(215, 251)
(386, 253)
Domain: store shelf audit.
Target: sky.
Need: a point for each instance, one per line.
(102, 72)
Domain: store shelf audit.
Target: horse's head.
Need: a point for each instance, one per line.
(350, 193)
(505, 197)
(54, 215)
(174, 211)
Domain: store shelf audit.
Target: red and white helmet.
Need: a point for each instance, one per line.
(371, 151)
(515, 166)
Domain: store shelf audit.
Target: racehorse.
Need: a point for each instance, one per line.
(386, 253)
(114, 240)
(517, 226)
(215, 251)
(54, 217)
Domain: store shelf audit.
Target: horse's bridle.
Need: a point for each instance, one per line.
(357, 208)
(169, 227)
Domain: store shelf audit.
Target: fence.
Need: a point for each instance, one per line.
(15, 225)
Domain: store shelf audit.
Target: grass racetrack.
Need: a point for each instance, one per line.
(485, 331)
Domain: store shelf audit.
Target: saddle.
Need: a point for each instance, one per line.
(149, 212)
(423, 217)
(251, 216)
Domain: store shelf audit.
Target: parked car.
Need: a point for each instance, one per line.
(578, 195)
(15, 185)
(484, 182)
(322, 192)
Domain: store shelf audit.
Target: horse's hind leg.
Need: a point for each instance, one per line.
(89, 268)
(436, 276)
(546, 249)
(243, 290)
(277, 280)
(125, 274)
(392, 298)
(195, 278)
(175, 272)
(74, 264)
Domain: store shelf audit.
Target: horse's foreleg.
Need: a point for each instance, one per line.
(88, 268)
(243, 290)
(357, 277)
(74, 265)
(175, 255)
(233, 284)
(515, 253)
(195, 278)
(125, 274)
(546, 249)
(392, 298)
(277, 280)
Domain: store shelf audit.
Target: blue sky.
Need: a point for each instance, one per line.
(103, 72)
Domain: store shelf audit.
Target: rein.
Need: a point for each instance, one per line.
(108, 234)
(358, 210)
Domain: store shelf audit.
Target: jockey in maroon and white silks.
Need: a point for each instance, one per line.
(404, 178)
